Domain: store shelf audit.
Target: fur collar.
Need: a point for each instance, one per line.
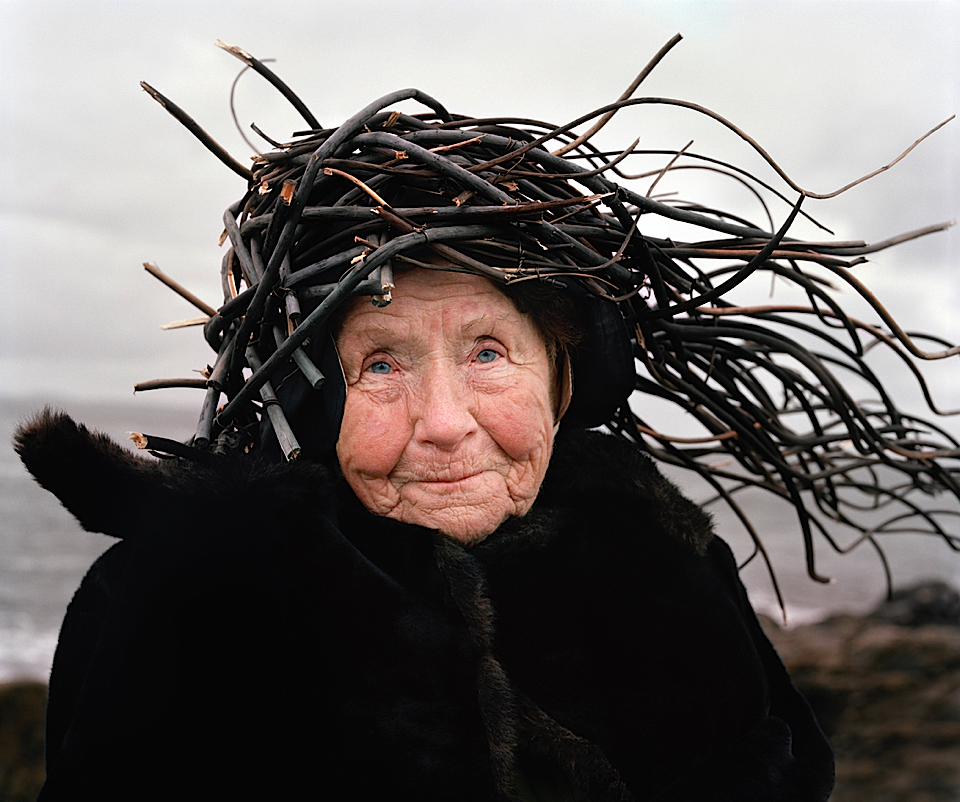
(106, 486)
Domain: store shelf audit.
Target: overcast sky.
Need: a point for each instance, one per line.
(98, 178)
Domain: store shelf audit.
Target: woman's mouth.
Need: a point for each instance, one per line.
(449, 480)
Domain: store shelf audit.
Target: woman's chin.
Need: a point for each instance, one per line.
(466, 525)
(467, 518)
(466, 509)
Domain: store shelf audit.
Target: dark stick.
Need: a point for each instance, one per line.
(204, 433)
(166, 446)
(307, 368)
(155, 271)
(288, 442)
(259, 67)
(166, 384)
(190, 124)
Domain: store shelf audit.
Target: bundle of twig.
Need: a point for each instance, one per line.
(328, 215)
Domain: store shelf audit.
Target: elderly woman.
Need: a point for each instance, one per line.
(263, 632)
(397, 563)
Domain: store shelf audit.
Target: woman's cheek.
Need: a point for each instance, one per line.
(373, 434)
(521, 424)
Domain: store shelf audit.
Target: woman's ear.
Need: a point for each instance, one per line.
(563, 389)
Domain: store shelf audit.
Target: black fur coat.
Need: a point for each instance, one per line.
(256, 634)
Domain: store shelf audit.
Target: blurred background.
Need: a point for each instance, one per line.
(98, 179)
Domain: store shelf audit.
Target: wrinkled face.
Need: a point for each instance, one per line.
(448, 421)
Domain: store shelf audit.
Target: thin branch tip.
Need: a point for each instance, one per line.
(153, 93)
(237, 52)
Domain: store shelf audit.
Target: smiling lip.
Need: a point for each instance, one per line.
(440, 484)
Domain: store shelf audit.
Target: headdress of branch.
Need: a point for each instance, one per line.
(326, 216)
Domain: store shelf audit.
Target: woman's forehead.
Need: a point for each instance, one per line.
(423, 296)
(438, 284)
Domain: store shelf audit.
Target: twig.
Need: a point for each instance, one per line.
(628, 93)
(184, 293)
(259, 67)
(165, 446)
(190, 124)
(166, 384)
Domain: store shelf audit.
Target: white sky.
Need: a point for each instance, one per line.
(99, 179)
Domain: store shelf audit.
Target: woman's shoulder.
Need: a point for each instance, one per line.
(112, 490)
(610, 478)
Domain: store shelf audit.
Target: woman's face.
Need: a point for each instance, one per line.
(448, 421)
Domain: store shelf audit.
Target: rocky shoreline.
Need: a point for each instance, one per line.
(885, 686)
(886, 689)
(22, 706)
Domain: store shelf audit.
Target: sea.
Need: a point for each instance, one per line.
(44, 553)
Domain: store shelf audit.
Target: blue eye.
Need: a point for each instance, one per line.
(487, 355)
(380, 367)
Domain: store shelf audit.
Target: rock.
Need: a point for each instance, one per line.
(886, 689)
(22, 706)
(931, 603)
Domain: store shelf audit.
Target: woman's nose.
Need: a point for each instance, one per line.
(444, 414)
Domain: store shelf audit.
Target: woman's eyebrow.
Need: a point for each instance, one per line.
(504, 317)
(378, 328)
(474, 322)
